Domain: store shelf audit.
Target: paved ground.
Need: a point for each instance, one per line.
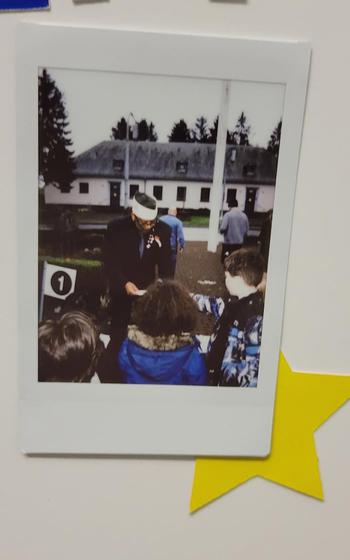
(202, 273)
(199, 270)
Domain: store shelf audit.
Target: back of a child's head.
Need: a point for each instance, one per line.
(165, 309)
(247, 263)
(68, 348)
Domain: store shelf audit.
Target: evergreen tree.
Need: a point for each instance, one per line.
(200, 132)
(275, 139)
(137, 131)
(56, 163)
(119, 131)
(213, 133)
(142, 130)
(153, 136)
(180, 132)
(240, 134)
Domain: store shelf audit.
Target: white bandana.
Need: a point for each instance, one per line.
(142, 212)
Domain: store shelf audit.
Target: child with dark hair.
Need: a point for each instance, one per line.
(234, 348)
(161, 347)
(68, 348)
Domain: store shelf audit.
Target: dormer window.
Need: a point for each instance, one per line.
(233, 155)
(118, 165)
(249, 170)
(181, 167)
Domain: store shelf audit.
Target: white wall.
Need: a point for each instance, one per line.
(137, 509)
(99, 193)
(264, 198)
(193, 193)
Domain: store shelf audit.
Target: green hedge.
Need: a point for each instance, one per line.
(66, 261)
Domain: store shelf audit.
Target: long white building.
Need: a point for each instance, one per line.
(177, 174)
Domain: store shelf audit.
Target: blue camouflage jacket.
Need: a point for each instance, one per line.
(234, 348)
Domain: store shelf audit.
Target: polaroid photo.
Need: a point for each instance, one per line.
(156, 178)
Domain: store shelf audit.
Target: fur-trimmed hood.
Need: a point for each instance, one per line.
(158, 343)
(165, 360)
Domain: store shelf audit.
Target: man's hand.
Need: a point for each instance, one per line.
(131, 289)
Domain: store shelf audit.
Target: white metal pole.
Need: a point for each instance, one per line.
(219, 165)
(41, 305)
(126, 166)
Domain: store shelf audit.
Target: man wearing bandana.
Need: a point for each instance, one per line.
(136, 247)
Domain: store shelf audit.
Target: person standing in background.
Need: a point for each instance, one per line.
(177, 239)
(234, 227)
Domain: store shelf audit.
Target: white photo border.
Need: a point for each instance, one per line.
(151, 420)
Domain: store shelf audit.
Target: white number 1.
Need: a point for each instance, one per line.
(61, 283)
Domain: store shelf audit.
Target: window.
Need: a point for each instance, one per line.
(231, 196)
(249, 170)
(233, 155)
(205, 194)
(181, 194)
(83, 188)
(158, 192)
(181, 167)
(133, 190)
(65, 188)
(118, 165)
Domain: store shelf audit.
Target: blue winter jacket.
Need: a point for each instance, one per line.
(146, 361)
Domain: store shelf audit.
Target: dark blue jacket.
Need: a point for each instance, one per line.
(184, 365)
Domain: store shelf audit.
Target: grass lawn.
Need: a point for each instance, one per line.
(196, 221)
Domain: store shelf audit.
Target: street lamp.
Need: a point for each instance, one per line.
(127, 155)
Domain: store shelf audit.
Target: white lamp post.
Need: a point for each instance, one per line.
(219, 166)
(127, 157)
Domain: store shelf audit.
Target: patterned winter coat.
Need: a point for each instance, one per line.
(234, 347)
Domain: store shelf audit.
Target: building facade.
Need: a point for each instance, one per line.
(177, 174)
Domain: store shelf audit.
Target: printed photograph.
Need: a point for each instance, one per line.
(156, 199)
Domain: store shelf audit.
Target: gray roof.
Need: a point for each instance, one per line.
(178, 161)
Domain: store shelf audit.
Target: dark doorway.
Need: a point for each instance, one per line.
(231, 196)
(114, 194)
(250, 202)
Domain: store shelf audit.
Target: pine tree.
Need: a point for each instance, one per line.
(275, 140)
(142, 130)
(180, 132)
(153, 136)
(56, 162)
(119, 131)
(139, 131)
(240, 134)
(213, 133)
(200, 132)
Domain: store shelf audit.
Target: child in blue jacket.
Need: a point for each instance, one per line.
(234, 349)
(160, 347)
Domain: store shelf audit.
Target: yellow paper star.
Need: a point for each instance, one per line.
(303, 402)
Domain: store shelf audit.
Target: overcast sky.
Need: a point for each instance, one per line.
(95, 101)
